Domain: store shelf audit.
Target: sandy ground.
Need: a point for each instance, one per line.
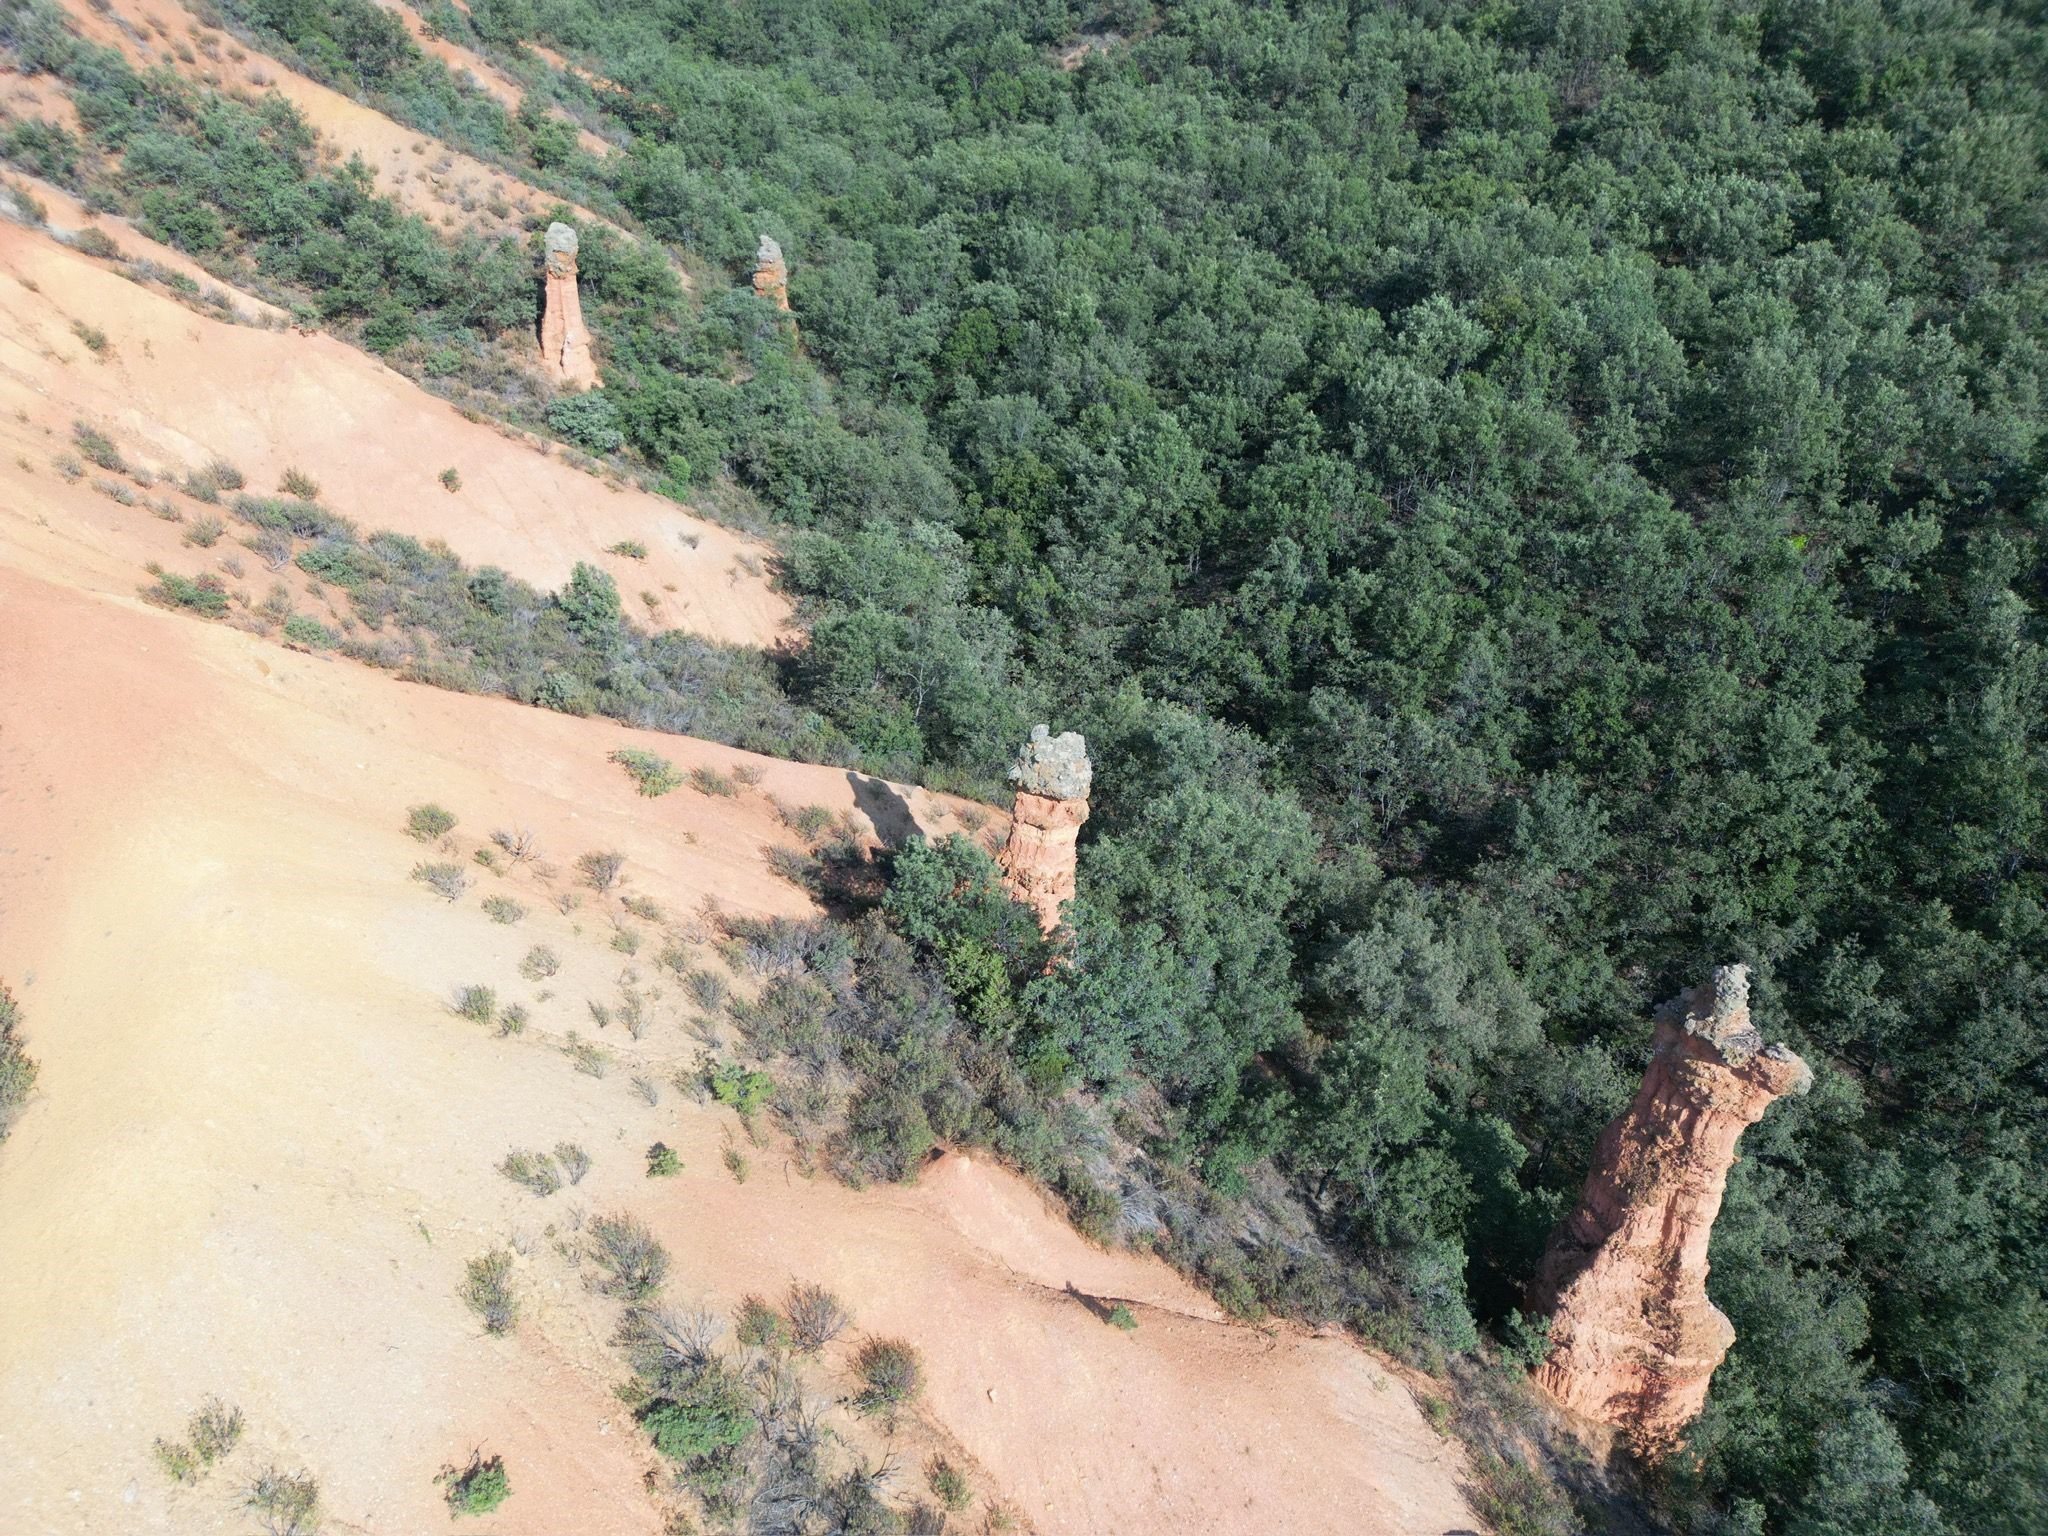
(262, 1146)
(375, 442)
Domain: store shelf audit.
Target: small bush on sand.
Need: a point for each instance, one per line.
(512, 1019)
(98, 447)
(707, 989)
(478, 1488)
(177, 1460)
(760, 1326)
(632, 549)
(535, 1170)
(214, 1429)
(286, 1503)
(948, 1484)
(654, 774)
(476, 1003)
(540, 963)
(642, 907)
(94, 338)
(17, 1070)
(204, 532)
(574, 1160)
(451, 479)
(634, 1264)
(741, 1089)
(425, 823)
(590, 1060)
(816, 1316)
(519, 845)
(891, 1376)
(601, 871)
(310, 633)
(443, 879)
(662, 1162)
(1121, 1316)
(205, 593)
(487, 1290)
(736, 1164)
(296, 482)
(503, 909)
(711, 782)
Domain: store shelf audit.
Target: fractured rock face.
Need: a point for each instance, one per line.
(1052, 776)
(564, 343)
(771, 274)
(1634, 1339)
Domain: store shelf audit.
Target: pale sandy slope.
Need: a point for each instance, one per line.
(176, 387)
(262, 1146)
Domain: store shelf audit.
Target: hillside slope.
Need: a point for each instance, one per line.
(263, 1146)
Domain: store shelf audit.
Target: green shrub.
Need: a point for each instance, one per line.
(892, 1377)
(741, 1089)
(655, 775)
(442, 878)
(643, 907)
(707, 1412)
(711, 782)
(310, 633)
(296, 482)
(478, 1488)
(178, 1461)
(736, 1164)
(591, 1060)
(476, 1003)
(600, 871)
(17, 1068)
(425, 823)
(588, 420)
(759, 1326)
(1121, 1316)
(662, 1161)
(94, 338)
(948, 1484)
(94, 241)
(98, 447)
(204, 594)
(574, 1160)
(512, 1019)
(451, 479)
(632, 549)
(204, 532)
(535, 1170)
(634, 1264)
(540, 963)
(286, 1503)
(214, 1430)
(503, 909)
(487, 1290)
(816, 1316)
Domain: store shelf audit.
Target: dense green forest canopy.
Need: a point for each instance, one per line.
(1525, 501)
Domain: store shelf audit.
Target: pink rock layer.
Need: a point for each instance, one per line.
(564, 342)
(1634, 1339)
(1039, 861)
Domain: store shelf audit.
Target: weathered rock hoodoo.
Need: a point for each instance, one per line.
(564, 343)
(771, 274)
(1052, 776)
(1634, 1339)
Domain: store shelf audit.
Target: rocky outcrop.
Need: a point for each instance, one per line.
(1634, 1339)
(771, 274)
(1052, 776)
(564, 343)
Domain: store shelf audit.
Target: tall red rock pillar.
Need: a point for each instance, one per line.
(564, 343)
(771, 274)
(1038, 863)
(1634, 1339)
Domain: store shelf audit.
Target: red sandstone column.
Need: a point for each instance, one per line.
(1039, 862)
(771, 274)
(564, 343)
(1634, 1339)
